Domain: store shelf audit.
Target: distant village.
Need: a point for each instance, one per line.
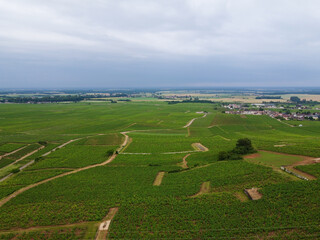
(265, 109)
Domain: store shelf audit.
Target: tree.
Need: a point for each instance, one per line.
(295, 99)
(244, 146)
(223, 155)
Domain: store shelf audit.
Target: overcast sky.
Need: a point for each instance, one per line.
(159, 43)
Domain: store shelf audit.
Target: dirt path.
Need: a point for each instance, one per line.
(253, 193)
(25, 156)
(192, 120)
(205, 188)
(184, 161)
(158, 179)
(60, 146)
(104, 226)
(23, 230)
(18, 192)
(285, 123)
(199, 147)
(8, 154)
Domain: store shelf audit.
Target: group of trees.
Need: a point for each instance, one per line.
(269, 97)
(68, 98)
(243, 147)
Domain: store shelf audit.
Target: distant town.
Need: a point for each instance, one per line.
(300, 112)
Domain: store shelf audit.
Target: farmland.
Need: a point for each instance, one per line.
(111, 154)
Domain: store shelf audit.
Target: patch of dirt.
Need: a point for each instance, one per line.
(253, 193)
(199, 147)
(158, 179)
(243, 116)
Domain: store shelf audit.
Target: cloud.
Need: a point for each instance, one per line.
(246, 34)
(191, 27)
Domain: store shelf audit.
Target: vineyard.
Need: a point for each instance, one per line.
(78, 161)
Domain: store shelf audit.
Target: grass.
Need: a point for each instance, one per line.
(288, 209)
(273, 159)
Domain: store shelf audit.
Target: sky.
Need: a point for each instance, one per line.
(159, 43)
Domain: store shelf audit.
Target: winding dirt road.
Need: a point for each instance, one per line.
(18, 192)
(192, 120)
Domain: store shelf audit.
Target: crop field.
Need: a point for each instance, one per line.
(96, 156)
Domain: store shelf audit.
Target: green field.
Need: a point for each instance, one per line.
(72, 206)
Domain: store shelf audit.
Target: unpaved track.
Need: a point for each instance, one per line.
(61, 146)
(184, 161)
(158, 179)
(192, 120)
(13, 195)
(104, 226)
(8, 154)
(25, 156)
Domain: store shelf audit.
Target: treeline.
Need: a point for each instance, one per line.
(269, 97)
(55, 99)
(50, 99)
(190, 101)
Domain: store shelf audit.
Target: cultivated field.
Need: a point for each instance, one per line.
(138, 170)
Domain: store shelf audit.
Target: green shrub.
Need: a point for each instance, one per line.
(16, 170)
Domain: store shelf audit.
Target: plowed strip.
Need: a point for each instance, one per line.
(199, 147)
(158, 179)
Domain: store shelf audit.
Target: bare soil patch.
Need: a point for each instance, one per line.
(199, 147)
(158, 179)
(253, 193)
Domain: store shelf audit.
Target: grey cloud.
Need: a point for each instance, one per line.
(249, 35)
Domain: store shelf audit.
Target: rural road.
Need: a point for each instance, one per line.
(18, 192)
(192, 120)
